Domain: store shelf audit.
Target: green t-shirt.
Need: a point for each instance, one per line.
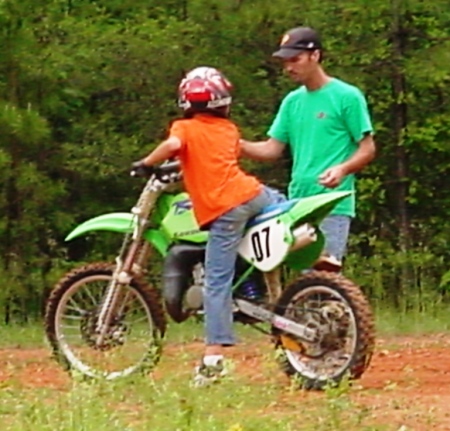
(322, 128)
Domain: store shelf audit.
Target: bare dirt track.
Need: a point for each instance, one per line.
(406, 387)
(409, 382)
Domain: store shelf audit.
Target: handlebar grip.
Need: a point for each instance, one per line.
(138, 169)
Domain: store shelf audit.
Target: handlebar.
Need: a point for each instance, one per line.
(167, 172)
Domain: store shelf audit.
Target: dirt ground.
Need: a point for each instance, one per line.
(407, 385)
(409, 382)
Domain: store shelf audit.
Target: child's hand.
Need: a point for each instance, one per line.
(140, 169)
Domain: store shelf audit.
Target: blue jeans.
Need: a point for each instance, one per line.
(225, 234)
(336, 229)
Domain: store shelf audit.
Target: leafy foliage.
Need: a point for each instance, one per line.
(87, 87)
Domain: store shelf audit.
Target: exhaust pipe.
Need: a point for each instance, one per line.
(303, 236)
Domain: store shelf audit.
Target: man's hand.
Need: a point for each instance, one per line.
(365, 153)
(332, 177)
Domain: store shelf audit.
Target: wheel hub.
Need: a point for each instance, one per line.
(114, 337)
(331, 322)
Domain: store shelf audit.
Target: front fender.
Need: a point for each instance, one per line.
(113, 222)
(121, 223)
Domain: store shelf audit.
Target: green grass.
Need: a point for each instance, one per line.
(171, 404)
(391, 322)
(262, 400)
(17, 336)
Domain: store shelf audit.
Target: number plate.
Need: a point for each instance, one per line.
(264, 245)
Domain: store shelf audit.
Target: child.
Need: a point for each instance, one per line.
(224, 197)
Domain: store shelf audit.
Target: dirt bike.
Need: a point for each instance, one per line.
(105, 320)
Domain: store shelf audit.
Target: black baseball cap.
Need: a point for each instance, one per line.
(296, 40)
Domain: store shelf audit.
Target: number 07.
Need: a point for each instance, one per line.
(257, 244)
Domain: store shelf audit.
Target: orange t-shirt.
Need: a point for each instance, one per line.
(209, 160)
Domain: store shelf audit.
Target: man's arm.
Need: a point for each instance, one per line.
(365, 153)
(165, 150)
(264, 150)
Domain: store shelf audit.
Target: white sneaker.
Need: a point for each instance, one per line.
(206, 375)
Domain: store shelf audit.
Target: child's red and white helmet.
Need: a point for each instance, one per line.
(204, 88)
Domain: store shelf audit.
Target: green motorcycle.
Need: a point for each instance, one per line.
(105, 320)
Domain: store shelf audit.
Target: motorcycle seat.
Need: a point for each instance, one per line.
(271, 211)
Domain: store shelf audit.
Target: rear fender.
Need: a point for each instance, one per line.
(311, 210)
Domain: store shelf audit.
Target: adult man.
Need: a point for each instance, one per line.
(326, 124)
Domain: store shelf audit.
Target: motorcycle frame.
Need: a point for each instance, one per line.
(140, 236)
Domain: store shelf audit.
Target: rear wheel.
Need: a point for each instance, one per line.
(337, 309)
(133, 337)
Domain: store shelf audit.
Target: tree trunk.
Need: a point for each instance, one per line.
(13, 203)
(400, 122)
(184, 10)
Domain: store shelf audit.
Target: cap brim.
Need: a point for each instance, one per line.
(287, 52)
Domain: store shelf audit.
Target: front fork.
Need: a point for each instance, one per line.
(131, 260)
(115, 300)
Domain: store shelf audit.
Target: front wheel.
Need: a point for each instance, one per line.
(343, 320)
(133, 336)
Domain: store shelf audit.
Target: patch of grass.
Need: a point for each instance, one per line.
(393, 322)
(388, 322)
(170, 404)
(28, 335)
(166, 401)
(255, 398)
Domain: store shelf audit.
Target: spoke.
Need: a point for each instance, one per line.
(140, 319)
(91, 296)
(72, 335)
(130, 303)
(80, 311)
(134, 310)
(75, 305)
(71, 317)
